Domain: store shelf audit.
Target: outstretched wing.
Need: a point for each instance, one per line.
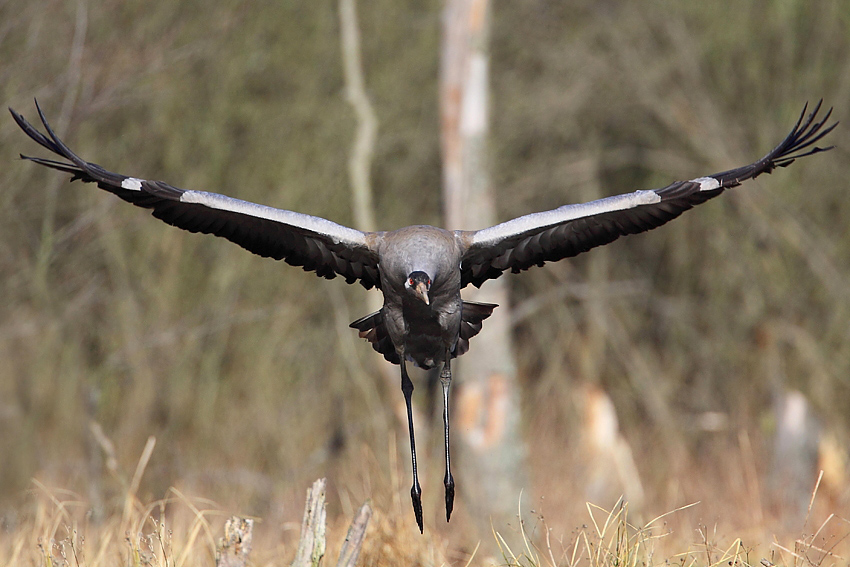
(314, 243)
(534, 239)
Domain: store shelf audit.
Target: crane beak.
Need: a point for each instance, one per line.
(421, 291)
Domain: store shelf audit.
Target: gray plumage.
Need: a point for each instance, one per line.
(422, 269)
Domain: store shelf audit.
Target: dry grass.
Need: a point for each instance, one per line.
(58, 531)
(611, 539)
(59, 528)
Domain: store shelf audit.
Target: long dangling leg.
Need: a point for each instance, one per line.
(415, 490)
(448, 481)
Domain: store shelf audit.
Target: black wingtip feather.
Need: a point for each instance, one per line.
(805, 134)
(799, 143)
(32, 132)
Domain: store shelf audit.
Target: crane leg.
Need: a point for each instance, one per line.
(415, 490)
(448, 481)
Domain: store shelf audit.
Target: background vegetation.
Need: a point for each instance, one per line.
(245, 370)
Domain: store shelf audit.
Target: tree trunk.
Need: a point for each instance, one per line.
(492, 460)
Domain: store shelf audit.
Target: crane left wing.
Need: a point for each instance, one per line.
(534, 239)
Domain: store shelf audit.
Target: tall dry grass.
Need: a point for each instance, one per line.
(179, 530)
(610, 538)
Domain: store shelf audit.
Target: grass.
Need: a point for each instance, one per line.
(610, 539)
(179, 530)
(58, 531)
(60, 528)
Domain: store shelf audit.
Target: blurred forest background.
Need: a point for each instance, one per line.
(244, 369)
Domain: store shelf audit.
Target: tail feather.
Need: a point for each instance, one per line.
(372, 328)
(472, 319)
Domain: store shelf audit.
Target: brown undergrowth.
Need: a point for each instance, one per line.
(58, 529)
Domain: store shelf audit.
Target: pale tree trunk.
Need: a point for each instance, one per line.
(362, 203)
(360, 158)
(491, 461)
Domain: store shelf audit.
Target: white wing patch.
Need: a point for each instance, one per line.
(706, 183)
(563, 214)
(335, 232)
(132, 184)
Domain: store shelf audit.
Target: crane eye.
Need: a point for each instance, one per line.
(410, 281)
(429, 283)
